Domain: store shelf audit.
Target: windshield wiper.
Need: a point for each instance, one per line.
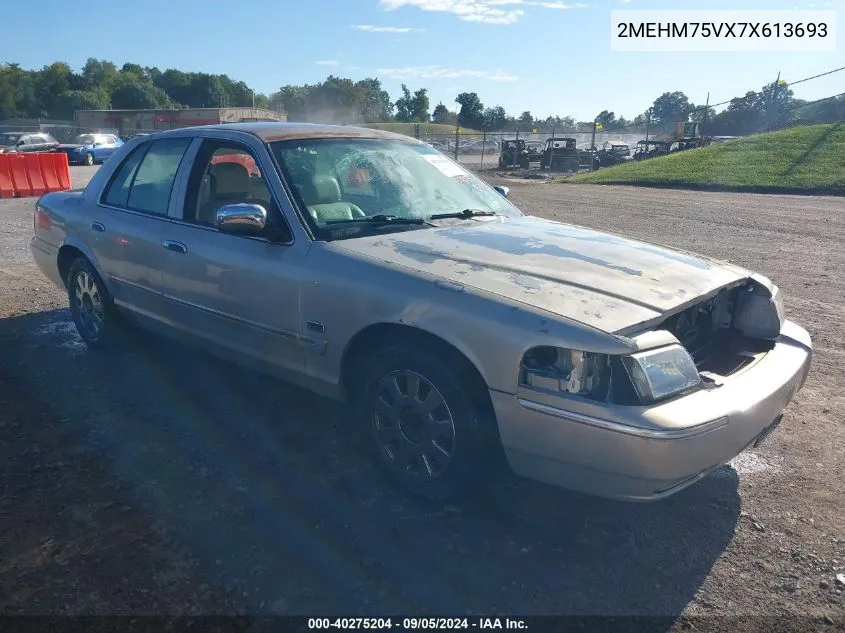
(381, 219)
(466, 214)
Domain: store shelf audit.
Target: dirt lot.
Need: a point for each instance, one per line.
(156, 480)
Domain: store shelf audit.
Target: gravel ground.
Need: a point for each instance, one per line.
(157, 480)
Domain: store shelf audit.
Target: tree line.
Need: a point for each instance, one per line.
(57, 92)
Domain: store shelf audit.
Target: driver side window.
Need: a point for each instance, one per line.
(224, 173)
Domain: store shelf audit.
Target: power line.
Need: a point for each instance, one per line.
(794, 83)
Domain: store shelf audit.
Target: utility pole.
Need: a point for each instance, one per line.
(774, 115)
(457, 138)
(647, 125)
(592, 149)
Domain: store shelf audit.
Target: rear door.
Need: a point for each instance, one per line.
(239, 293)
(127, 226)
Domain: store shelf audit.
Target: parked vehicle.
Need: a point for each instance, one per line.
(477, 147)
(369, 267)
(651, 149)
(514, 154)
(88, 149)
(561, 154)
(443, 146)
(614, 153)
(12, 142)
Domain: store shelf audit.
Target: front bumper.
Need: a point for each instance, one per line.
(647, 453)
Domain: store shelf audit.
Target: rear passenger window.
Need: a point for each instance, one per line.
(117, 194)
(145, 180)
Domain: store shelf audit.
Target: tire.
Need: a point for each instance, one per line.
(91, 306)
(420, 424)
(89, 159)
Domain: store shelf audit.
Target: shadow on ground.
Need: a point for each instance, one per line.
(263, 484)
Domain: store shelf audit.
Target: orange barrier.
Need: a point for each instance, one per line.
(6, 188)
(33, 174)
(48, 166)
(25, 175)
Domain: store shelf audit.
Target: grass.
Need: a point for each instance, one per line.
(809, 160)
(426, 129)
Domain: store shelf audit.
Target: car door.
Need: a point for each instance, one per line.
(103, 147)
(127, 225)
(237, 292)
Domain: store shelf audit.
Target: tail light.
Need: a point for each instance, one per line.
(43, 218)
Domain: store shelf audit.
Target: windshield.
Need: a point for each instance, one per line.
(9, 139)
(85, 139)
(620, 149)
(349, 180)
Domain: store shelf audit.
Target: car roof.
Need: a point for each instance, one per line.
(278, 131)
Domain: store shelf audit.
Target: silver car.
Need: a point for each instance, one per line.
(369, 267)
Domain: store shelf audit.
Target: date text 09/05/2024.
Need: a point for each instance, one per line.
(414, 624)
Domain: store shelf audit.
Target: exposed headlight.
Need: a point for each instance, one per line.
(661, 372)
(565, 370)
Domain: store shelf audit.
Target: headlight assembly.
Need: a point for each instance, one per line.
(568, 371)
(662, 372)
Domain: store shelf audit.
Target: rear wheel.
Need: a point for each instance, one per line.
(89, 159)
(421, 423)
(91, 305)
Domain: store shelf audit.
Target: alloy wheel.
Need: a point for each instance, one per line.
(88, 305)
(413, 425)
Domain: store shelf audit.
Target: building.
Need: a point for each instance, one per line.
(128, 122)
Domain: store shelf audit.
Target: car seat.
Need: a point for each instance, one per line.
(324, 201)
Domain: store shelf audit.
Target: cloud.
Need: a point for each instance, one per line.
(438, 72)
(327, 62)
(385, 29)
(485, 11)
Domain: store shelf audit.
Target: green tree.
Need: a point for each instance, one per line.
(671, 107)
(526, 121)
(99, 73)
(607, 120)
(404, 105)
(471, 114)
(495, 119)
(419, 106)
(375, 103)
(133, 93)
(440, 114)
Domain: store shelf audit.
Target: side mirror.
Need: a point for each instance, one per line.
(242, 219)
(503, 191)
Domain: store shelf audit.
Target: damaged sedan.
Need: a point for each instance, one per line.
(370, 268)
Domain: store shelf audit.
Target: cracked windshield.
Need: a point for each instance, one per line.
(358, 180)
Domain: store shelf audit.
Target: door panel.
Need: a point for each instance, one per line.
(127, 229)
(236, 292)
(128, 250)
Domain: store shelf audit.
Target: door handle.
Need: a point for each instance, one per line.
(176, 247)
(98, 226)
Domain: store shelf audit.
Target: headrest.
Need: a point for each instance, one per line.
(326, 189)
(230, 178)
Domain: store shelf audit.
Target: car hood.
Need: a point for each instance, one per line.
(609, 282)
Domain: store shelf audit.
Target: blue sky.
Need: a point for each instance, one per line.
(546, 56)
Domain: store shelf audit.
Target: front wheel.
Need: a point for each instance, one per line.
(89, 159)
(421, 423)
